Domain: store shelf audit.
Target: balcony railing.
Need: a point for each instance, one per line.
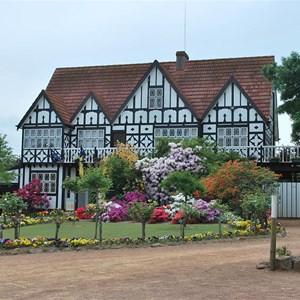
(283, 154)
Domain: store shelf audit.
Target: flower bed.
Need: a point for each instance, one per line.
(75, 242)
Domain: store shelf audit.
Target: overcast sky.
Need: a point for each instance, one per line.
(38, 36)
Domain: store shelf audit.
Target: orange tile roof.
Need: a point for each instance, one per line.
(199, 83)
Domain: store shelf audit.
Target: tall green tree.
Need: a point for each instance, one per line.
(7, 160)
(286, 79)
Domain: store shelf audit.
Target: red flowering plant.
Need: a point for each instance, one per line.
(81, 213)
(31, 194)
(160, 214)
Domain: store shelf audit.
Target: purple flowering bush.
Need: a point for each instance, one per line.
(154, 170)
(203, 211)
(135, 196)
(117, 211)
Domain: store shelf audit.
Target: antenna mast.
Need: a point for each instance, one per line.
(184, 34)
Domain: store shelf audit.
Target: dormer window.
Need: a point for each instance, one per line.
(155, 98)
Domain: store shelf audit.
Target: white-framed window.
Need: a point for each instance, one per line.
(155, 98)
(184, 132)
(91, 138)
(232, 136)
(48, 181)
(42, 138)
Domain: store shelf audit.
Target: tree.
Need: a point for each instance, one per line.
(286, 79)
(94, 180)
(58, 217)
(12, 206)
(237, 179)
(142, 212)
(7, 160)
(183, 182)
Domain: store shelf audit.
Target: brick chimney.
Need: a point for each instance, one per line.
(181, 60)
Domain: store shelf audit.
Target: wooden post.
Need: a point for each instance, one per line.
(273, 232)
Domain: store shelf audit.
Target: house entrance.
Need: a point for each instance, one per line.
(118, 136)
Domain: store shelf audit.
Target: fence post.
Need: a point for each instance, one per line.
(273, 232)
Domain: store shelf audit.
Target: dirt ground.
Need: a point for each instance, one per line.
(206, 270)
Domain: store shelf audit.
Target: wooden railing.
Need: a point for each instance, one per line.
(263, 154)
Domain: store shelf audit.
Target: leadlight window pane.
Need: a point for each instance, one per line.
(39, 143)
(228, 131)
(58, 132)
(221, 142)
(47, 176)
(236, 131)
(40, 176)
(27, 132)
(243, 141)
(159, 103)
(26, 143)
(39, 132)
(51, 142)
(236, 141)
(244, 131)
(33, 175)
(151, 103)
(53, 176)
(152, 92)
(57, 144)
(46, 187)
(159, 92)
(80, 133)
(179, 132)
(228, 141)
(221, 131)
(88, 143)
(101, 143)
(172, 132)
(194, 132)
(165, 132)
(88, 134)
(52, 132)
(94, 143)
(52, 189)
(101, 133)
(45, 143)
(33, 132)
(46, 132)
(186, 132)
(32, 143)
(157, 132)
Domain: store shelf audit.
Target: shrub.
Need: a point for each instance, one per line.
(81, 213)
(155, 170)
(31, 194)
(238, 178)
(160, 215)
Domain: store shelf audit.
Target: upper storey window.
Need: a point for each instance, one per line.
(91, 138)
(155, 98)
(42, 138)
(232, 136)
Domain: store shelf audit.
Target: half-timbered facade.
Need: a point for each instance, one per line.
(90, 108)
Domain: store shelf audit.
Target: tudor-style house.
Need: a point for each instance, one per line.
(90, 108)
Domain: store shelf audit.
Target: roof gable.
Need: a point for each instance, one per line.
(202, 80)
(100, 101)
(57, 105)
(229, 82)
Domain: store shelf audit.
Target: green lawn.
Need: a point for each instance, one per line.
(86, 229)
